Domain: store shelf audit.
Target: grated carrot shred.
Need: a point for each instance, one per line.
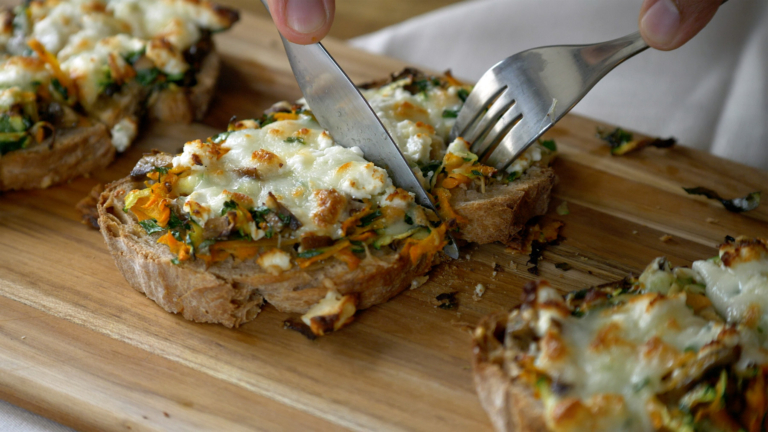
(53, 62)
(428, 246)
(446, 211)
(180, 249)
(286, 116)
(327, 253)
(348, 225)
(238, 249)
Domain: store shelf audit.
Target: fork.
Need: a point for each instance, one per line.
(522, 96)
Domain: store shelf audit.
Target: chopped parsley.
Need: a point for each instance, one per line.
(514, 175)
(463, 94)
(60, 88)
(309, 254)
(548, 144)
(220, 138)
(133, 57)
(369, 218)
(408, 220)
(284, 218)
(431, 166)
(147, 77)
(161, 170)
(259, 213)
(229, 205)
(295, 140)
(151, 226)
(175, 261)
(477, 173)
(450, 113)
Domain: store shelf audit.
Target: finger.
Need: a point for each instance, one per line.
(302, 21)
(668, 24)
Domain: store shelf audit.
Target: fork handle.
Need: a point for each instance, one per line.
(602, 57)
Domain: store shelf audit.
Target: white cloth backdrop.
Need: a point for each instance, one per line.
(711, 94)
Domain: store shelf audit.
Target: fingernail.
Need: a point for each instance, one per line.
(661, 22)
(305, 16)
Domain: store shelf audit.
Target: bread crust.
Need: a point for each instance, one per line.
(231, 293)
(68, 154)
(71, 153)
(502, 211)
(184, 105)
(510, 403)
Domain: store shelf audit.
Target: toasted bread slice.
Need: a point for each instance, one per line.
(232, 293)
(68, 154)
(668, 350)
(499, 213)
(510, 403)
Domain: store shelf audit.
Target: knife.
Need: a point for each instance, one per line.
(343, 111)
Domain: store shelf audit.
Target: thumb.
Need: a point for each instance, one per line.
(302, 21)
(668, 24)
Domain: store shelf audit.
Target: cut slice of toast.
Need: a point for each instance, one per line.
(232, 293)
(673, 349)
(68, 154)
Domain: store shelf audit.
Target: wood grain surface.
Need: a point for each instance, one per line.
(358, 17)
(78, 345)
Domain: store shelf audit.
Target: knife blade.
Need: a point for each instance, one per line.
(343, 111)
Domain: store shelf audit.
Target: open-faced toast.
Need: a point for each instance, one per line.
(273, 210)
(676, 349)
(71, 65)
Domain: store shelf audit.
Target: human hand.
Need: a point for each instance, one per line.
(302, 21)
(668, 24)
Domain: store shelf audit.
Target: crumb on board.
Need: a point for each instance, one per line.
(23, 337)
(419, 281)
(634, 232)
(513, 265)
(467, 257)
(666, 238)
(712, 220)
(479, 291)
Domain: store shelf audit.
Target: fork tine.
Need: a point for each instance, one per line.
(485, 92)
(502, 125)
(513, 144)
(482, 126)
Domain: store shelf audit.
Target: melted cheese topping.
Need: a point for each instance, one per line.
(621, 353)
(739, 288)
(416, 121)
(293, 160)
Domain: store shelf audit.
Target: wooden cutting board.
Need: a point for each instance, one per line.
(78, 345)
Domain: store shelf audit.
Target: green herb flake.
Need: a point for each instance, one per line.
(431, 166)
(161, 170)
(735, 205)
(477, 173)
(230, 205)
(220, 138)
(151, 226)
(562, 209)
(463, 94)
(284, 218)
(60, 88)
(514, 175)
(309, 253)
(548, 144)
(295, 140)
(357, 250)
(147, 77)
(450, 113)
(636, 387)
(408, 220)
(269, 233)
(133, 57)
(369, 218)
(175, 261)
